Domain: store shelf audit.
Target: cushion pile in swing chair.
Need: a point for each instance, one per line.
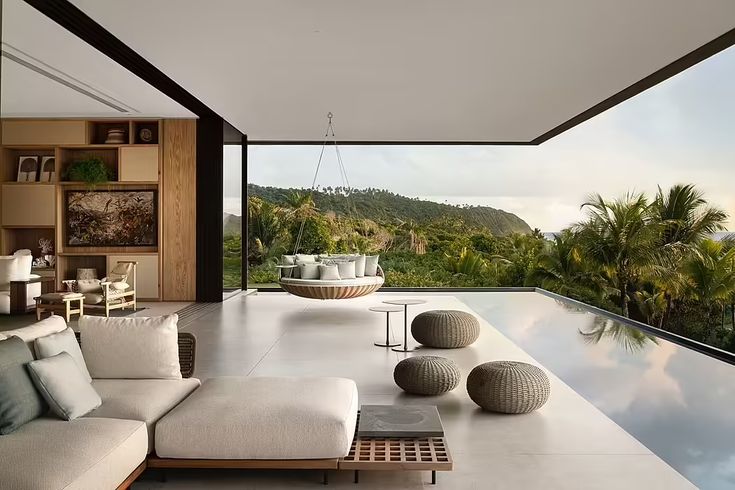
(331, 276)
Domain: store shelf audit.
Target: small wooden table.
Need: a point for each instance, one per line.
(62, 303)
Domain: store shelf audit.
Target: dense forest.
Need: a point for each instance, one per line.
(650, 258)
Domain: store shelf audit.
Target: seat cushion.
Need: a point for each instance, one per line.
(262, 418)
(146, 400)
(360, 281)
(83, 454)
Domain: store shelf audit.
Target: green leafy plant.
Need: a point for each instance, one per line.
(92, 170)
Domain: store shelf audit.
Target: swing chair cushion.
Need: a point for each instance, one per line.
(371, 265)
(329, 272)
(309, 270)
(360, 281)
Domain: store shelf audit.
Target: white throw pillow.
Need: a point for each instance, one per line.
(329, 272)
(89, 286)
(371, 265)
(346, 269)
(305, 258)
(24, 266)
(142, 347)
(63, 386)
(64, 341)
(288, 260)
(360, 265)
(119, 286)
(309, 270)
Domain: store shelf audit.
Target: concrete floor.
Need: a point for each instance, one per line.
(567, 444)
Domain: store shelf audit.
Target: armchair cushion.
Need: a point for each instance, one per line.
(85, 286)
(25, 264)
(8, 271)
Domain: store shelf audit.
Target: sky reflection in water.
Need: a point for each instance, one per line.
(675, 401)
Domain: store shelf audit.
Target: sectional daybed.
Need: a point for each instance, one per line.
(152, 413)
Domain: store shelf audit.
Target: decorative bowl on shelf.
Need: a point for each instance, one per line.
(146, 135)
(115, 137)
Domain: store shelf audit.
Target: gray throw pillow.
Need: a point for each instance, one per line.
(346, 269)
(329, 272)
(371, 265)
(63, 386)
(309, 270)
(359, 265)
(64, 341)
(19, 401)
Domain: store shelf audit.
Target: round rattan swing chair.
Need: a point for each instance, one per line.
(320, 288)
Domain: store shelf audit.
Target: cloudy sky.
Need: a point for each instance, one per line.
(681, 131)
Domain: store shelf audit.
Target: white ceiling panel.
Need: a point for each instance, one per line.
(410, 70)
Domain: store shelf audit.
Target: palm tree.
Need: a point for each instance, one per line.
(629, 338)
(711, 275)
(561, 268)
(265, 229)
(301, 204)
(618, 235)
(685, 218)
(468, 263)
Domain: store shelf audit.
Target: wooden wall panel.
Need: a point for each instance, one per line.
(44, 132)
(178, 187)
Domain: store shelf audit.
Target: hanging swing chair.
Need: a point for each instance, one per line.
(321, 288)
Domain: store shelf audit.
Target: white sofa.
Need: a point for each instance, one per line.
(309, 421)
(97, 451)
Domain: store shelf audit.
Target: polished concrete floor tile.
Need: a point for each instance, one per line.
(567, 444)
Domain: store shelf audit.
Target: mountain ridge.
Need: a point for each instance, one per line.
(382, 205)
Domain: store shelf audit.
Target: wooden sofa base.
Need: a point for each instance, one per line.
(245, 464)
(132, 477)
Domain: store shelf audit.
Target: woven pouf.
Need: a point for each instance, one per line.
(445, 329)
(508, 386)
(426, 375)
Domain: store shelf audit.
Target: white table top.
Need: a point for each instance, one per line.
(386, 309)
(404, 302)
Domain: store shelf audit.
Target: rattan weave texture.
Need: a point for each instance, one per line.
(427, 375)
(508, 386)
(445, 329)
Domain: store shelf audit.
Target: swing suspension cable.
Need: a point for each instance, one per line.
(328, 135)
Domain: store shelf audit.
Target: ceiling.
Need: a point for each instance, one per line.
(48, 72)
(406, 71)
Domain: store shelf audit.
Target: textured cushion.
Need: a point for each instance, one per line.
(84, 454)
(119, 286)
(47, 326)
(93, 298)
(371, 265)
(58, 297)
(146, 400)
(309, 270)
(275, 418)
(142, 347)
(306, 258)
(64, 341)
(8, 271)
(329, 272)
(89, 286)
(66, 390)
(19, 401)
(346, 269)
(359, 265)
(290, 260)
(2, 337)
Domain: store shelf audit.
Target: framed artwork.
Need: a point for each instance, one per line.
(27, 168)
(115, 218)
(48, 169)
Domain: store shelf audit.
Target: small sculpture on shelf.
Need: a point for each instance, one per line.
(47, 259)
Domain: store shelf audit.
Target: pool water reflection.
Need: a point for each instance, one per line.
(677, 402)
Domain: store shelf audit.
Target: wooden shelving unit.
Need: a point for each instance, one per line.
(34, 210)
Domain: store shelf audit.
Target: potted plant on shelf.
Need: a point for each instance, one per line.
(91, 171)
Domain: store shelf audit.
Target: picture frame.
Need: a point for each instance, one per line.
(27, 168)
(48, 169)
(111, 218)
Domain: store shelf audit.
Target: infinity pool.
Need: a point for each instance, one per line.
(677, 402)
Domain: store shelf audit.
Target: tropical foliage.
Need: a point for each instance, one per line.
(648, 258)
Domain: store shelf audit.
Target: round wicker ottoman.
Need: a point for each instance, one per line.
(445, 329)
(508, 386)
(426, 375)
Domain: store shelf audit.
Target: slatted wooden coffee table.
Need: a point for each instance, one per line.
(397, 454)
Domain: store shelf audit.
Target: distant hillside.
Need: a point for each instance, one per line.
(380, 205)
(231, 224)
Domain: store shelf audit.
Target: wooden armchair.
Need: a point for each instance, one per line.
(116, 291)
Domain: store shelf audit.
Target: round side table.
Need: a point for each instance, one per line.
(405, 303)
(387, 309)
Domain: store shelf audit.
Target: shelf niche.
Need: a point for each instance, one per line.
(68, 156)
